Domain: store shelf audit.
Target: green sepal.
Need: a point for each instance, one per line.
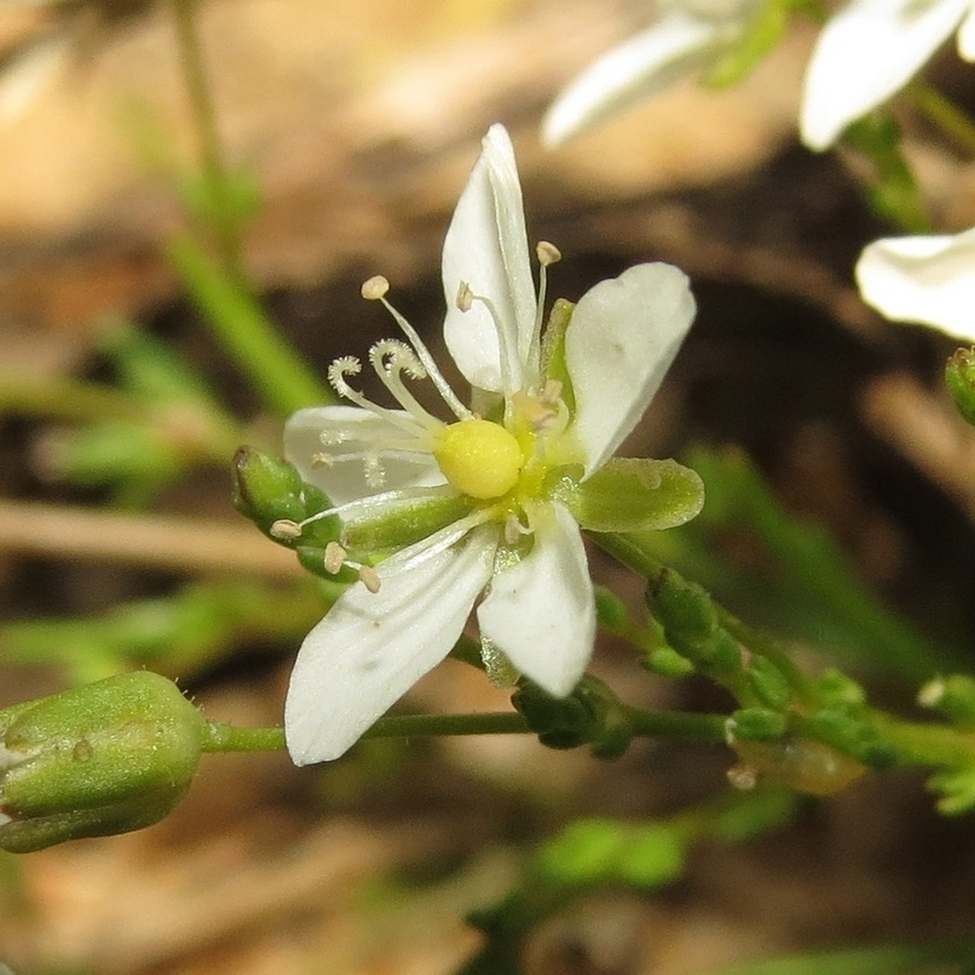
(553, 350)
(667, 662)
(104, 758)
(768, 684)
(757, 724)
(960, 380)
(635, 494)
(402, 523)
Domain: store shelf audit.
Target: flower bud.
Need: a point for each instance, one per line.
(104, 758)
(269, 490)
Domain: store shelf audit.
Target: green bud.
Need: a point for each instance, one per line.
(104, 758)
(591, 714)
(960, 380)
(837, 728)
(757, 724)
(723, 653)
(769, 684)
(683, 609)
(839, 691)
(269, 490)
(667, 662)
(632, 495)
(610, 609)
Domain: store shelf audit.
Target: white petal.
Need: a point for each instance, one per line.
(966, 36)
(922, 279)
(623, 336)
(865, 53)
(345, 480)
(647, 63)
(540, 612)
(487, 248)
(372, 647)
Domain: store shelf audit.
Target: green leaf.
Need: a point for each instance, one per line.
(629, 494)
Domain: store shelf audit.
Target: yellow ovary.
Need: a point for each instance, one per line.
(479, 458)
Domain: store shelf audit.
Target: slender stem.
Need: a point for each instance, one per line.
(676, 724)
(944, 113)
(222, 737)
(225, 226)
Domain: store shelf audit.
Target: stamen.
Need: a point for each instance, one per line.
(547, 254)
(285, 530)
(514, 529)
(369, 577)
(321, 459)
(336, 557)
(375, 290)
(552, 391)
(465, 299)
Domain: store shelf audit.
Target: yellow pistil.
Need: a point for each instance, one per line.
(479, 458)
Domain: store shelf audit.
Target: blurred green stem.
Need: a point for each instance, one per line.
(239, 322)
(944, 113)
(225, 229)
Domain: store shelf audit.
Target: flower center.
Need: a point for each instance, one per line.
(479, 458)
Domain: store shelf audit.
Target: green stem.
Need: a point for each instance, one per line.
(675, 724)
(225, 228)
(67, 399)
(222, 737)
(944, 113)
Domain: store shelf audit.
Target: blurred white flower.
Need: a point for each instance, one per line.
(930, 280)
(689, 36)
(511, 481)
(868, 51)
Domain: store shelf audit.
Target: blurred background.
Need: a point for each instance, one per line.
(351, 129)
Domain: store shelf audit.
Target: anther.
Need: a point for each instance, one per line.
(375, 288)
(552, 391)
(335, 557)
(547, 253)
(465, 297)
(285, 530)
(514, 529)
(369, 577)
(322, 459)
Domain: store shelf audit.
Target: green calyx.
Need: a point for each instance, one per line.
(103, 758)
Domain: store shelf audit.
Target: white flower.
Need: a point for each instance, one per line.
(930, 280)
(493, 500)
(689, 36)
(870, 50)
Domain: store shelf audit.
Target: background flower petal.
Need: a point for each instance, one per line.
(866, 52)
(623, 336)
(346, 480)
(930, 280)
(646, 63)
(373, 647)
(487, 247)
(540, 612)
